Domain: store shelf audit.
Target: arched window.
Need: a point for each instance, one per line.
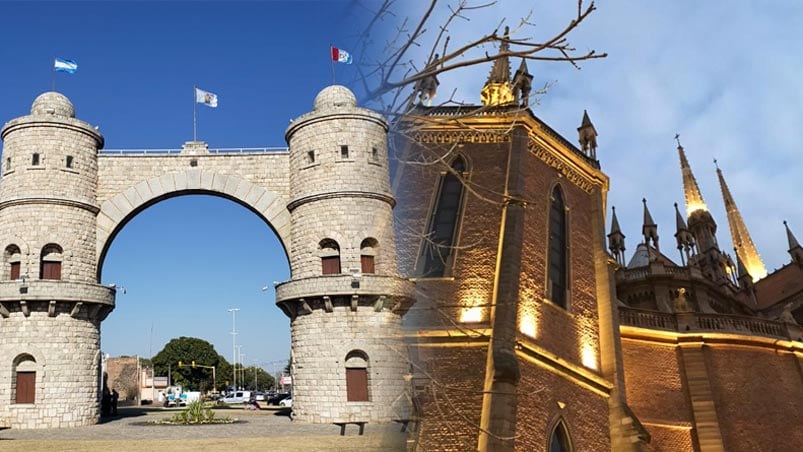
(357, 376)
(24, 379)
(368, 249)
(437, 251)
(557, 284)
(50, 267)
(559, 440)
(13, 257)
(330, 257)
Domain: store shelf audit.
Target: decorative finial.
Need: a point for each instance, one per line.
(716, 164)
(784, 222)
(677, 138)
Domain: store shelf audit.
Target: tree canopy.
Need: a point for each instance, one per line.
(188, 350)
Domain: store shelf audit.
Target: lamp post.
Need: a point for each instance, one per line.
(234, 345)
(239, 359)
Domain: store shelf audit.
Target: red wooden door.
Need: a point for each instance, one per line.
(367, 264)
(357, 385)
(331, 265)
(26, 387)
(51, 270)
(15, 271)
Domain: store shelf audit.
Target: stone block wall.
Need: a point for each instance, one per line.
(321, 342)
(66, 352)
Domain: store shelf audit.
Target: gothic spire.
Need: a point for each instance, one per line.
(523, 84)
(745, 249)
(795, 250)
(588, 136)
(694, 200)
(649, 229)
(616, 240)
(684, 238)
(497, 90)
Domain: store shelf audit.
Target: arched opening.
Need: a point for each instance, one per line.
(357, 377)
(330, 257)
(559, 440)
(23, 380)
(437, 251)
(558, 256)
(179, 263)
(368, 250)
(50, 262)
(13, 260)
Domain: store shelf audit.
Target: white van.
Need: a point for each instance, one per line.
(237, 397)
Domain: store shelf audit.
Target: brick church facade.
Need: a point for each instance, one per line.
(531, 332)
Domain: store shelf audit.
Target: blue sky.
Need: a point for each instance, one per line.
(724, 75)
(186, 260)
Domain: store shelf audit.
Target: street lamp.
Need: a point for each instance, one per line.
(234, 344)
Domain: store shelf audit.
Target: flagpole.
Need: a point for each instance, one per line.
(332, 60)
(54, 73)
(194, 114)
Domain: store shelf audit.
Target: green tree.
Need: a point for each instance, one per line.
(264, 380)
(186, 350)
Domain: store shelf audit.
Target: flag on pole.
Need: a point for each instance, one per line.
(206, 98)
(341, 56)
(62, 65)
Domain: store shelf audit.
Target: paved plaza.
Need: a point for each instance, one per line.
(270, 429)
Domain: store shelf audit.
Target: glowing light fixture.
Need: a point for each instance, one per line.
(588, 355)
(527, 324)
(471, 314)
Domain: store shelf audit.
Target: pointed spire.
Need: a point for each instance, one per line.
(616, 240)
(745, 249)
(497, 90)
(795, 250)
(684, 238)
(523, 83)
(694, 200)
(588, 136)
(680, 224)
(649, 229)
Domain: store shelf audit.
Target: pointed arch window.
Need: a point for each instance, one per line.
(559, 440)
(557, 278)
(437, 252)
(330, 257)
(51, 257)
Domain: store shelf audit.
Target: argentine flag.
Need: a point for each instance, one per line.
(62, 65)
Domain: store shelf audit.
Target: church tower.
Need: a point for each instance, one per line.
(742, 242)
(498, 90)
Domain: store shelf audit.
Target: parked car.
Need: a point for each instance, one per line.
(237, 397)
(260, 396)
(288, 402)
(278, 398)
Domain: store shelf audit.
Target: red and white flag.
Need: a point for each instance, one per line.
(341, 56)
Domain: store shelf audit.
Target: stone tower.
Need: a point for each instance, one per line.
(345, 299)
(50, 302)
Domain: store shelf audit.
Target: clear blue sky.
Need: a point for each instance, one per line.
(186, 260)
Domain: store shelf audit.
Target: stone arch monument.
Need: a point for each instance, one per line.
(62, 202)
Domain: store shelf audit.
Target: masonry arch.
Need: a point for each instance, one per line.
(119, 209)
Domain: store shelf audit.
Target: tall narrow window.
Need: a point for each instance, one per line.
(8, 163)
(368, 249)
(24, 381)
(357, 377)
(69, 160)
(35, 159)
(14, 259)
(310, 157)
(558, 250)
(374, 154)
(344, 152)
(330, 257)
(50, 262)
(437, 252)
(559, 440)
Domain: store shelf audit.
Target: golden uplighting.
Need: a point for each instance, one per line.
(471, 315)
(588, 355)
(527, 324)
(694, 207)
(494, 94)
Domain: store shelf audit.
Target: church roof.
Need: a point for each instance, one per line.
(643, 255)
